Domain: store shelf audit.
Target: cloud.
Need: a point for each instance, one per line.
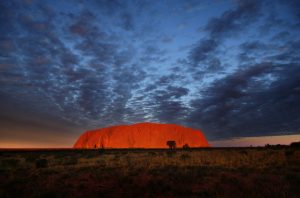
(167, 106)
(152, 53)
(294, 6)
(283, 35)
(99, 63)
(202, 50)
(252, 46)
(233, 20)
(246, 99)
(219, 29)
(110, 6)
(242, 104)
(127, 21)
(166, 39)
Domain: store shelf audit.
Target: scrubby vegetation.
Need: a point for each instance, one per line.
(210, 172)
(41, 163)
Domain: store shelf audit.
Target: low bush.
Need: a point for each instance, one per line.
(10, 163)
(152, 153)
(185, 157)
(70, 161)
(289, 152)
(170, 153)
(41, 163)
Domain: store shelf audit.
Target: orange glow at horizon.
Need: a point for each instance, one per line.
(21, 144)
(256, 141)
(35, 138)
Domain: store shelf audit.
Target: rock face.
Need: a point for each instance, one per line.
(141, 135)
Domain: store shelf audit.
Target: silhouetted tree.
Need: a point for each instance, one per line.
(171, 144)
(185, 146)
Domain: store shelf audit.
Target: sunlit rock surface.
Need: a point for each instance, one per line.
(141, 135)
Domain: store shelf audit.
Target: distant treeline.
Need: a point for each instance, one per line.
(293, 145)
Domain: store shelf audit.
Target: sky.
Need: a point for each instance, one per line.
(230, 68)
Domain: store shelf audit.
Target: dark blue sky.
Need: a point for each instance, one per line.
(230, 68)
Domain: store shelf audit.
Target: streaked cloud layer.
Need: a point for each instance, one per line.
(230, 68)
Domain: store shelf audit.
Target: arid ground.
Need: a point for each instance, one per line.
(206, 172)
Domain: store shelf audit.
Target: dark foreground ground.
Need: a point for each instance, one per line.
(231, 172)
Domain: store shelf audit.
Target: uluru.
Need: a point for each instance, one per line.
(141, 135)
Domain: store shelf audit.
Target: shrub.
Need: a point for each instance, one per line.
(10, 163)
(185, 157)
(289, 152)
(101, 150)
(30, 158)
(70, 161)
(170, 153)
(41, 163)
(151, 153)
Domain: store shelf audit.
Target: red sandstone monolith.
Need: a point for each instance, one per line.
(141, 135)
